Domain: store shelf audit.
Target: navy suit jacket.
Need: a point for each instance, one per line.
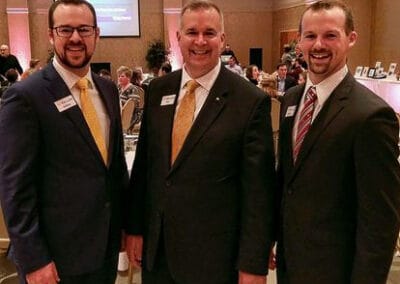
(215, 204)
(61, 202)
(340, 201)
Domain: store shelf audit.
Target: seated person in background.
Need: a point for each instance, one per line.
(302, 77)
(128, 91)
(137, 77)
(3, 80)
(11, 77)
(34, 65)
(284, 81)
(296, 69)
(252, 73)
(268, 85)
(8, 60)
(300, 57)
(165, 69)
(287, 56)
(228, 50)
(105, 74)
(233, 66)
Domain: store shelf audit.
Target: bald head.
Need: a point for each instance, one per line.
(4, 50)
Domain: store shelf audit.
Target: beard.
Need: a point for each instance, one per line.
(318, 68)
(66, 60)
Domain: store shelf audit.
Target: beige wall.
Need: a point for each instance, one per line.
(3, 23)
(288, 19)
(386, 39)
(363, 13)
(249, 30)
(132, 51)
(283, 20)
(118, 51)
(247, 25)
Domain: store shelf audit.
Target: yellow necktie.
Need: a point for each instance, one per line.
(89, 112)
(184, 119)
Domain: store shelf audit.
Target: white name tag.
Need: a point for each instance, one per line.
(65, 103)
(168, 100)
(290, 111)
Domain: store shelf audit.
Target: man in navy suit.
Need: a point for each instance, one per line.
(205, 215)
(338, 172)
(60, 192)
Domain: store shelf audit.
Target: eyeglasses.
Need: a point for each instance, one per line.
(67, 31)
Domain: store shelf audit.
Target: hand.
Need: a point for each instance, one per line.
(45, 275)
(247, 278)
(134, 249)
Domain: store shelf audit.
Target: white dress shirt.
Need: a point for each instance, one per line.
(324, 89)
(206, 82)
(70, 80)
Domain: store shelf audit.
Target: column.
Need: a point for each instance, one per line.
(18, 31)
(172, 9)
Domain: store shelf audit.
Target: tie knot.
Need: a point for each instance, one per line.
(82, 84)
(192, 85)
(312, 94)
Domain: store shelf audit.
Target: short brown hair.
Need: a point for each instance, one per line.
(125, 70)
(328, 5)
(70, 2)
(196, 5)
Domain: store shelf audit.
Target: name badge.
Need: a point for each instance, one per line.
(65, 103)
(168, 100)
(290, 111)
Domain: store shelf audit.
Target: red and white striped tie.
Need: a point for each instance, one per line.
(305, 120)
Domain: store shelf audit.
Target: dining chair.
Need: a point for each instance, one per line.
(126, 114)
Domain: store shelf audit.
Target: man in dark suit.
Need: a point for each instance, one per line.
(205, 213)
(62, 170)
(8, 61)
(339, 176)
(284, 81)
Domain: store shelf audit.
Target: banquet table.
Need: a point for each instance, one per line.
(387, 89)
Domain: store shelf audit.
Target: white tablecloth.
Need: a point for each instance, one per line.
(387, 89)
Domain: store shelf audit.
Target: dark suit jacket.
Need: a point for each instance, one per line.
(214, 203)
(341, 200)
(289, 82)
(59, 199)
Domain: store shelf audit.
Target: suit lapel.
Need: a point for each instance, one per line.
(59, 90)
(287, 123)
(107, 100)
(164, 114)
(212, 107)
(332, 107)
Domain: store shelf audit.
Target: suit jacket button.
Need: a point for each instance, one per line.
(168, 183)
(107, 205)
(290, 192)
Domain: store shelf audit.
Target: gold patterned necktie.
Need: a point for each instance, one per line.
(184, 119)
(89, 112)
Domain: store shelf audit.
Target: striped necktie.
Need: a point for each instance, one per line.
(89, 112)
(184, 119)
(305, 119)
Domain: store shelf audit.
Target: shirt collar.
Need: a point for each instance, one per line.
(70, 78)
(206, 81)
(326, 87)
